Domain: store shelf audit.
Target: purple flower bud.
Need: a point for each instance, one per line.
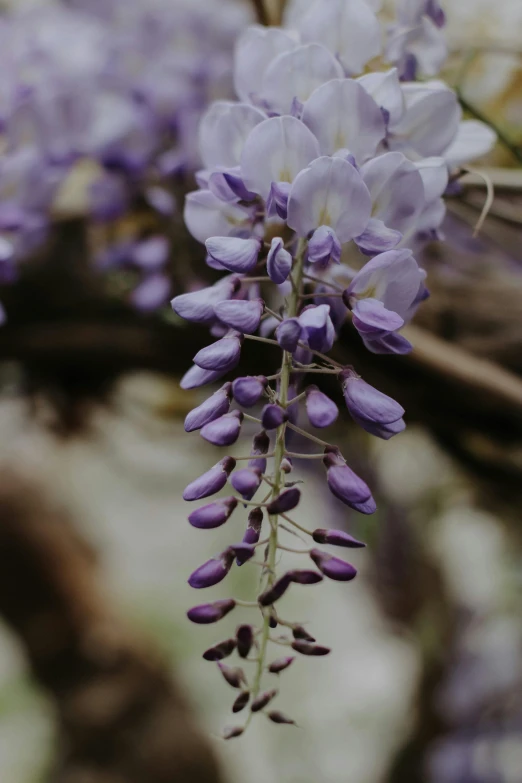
(336, 537)
(286, 465)
(321, 410)
(253, 531)
(288, 334)
(280, 664)
(272, 416)
(278, 262)
(242, 552)
(304, 577)
(212, 572)
(246, 481)
(317, 326)
(237, 186)
(285, 502)
(213, 514)
(324, 246)
(211, 613)
(298, 632)
(196, 377)
(216, 405)
(241, 701)
(244, 640)
(307, 648)
(233, 731)
(211, 481)
(262, 700)
(333, 567)
(241, 314)
(278, 717)
(371, 409)
(275, 592)
(222, 356)
(260, 446)
(248, 390)
(234, 675)
(223, 431)
(272, 621)
(346, 485)
(220, 651)
(277, 201)
(198, 306)
(237, 255)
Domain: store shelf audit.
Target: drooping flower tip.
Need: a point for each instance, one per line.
(275, 592)
(243, 315)
(298, 632)
(374, 411)
(236, 255)
(233, 731)
(304, 576)
(221, 356)
(333, 567)
(345, 484)
(278, 717)
(288, 334)
(211, 613)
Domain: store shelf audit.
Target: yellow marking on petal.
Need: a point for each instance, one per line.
(324, 217)
(285, 175)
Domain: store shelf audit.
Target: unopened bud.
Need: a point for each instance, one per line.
(211, 613)
(234, 675)
(286, 501)
(262, 700)
(280, 664)
(301, 633)
(233, 731)
(307, 648)
(220, 651)
(244, 640)
(278, 717)
(336, 538)
(275, 592)
(241, 701)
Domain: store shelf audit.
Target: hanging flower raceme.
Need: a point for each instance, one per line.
(316, 184)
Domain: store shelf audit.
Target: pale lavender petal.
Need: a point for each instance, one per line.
(222, 355)
(324, 246)
(278, 262)
(241, 314)
(330, 192)
(385, 89)
(196, 377)
(473, 140)
(321, 410)
(255, 49)
(396, 190)
(223, 431)
(223, 131)
(207, 216)
(317, 326)
(214, 407)
(430, 122)
(377, 238)
(348, 28)
(276, 151)
(210, 482)
(296, 74)
(371, 318)
(236, 255)
(342, 115)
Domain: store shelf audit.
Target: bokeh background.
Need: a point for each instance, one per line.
(425, 679)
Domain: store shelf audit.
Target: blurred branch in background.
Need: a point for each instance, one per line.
(122, 719)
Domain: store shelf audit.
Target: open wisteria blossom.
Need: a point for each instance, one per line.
(318, 185)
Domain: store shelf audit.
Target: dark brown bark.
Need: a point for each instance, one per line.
(121, 717)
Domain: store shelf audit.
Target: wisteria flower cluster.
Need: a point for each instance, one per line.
(121, 84)
(318, 183)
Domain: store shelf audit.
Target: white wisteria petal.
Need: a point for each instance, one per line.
(297, 74)
(473, 140)
(396, 189)
(385, 89)
(276, 151)
(223, 130)
(255, 49)
(348, 28)
(207, 216)
(330, 192)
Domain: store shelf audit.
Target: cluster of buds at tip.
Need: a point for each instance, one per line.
(299, 173)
